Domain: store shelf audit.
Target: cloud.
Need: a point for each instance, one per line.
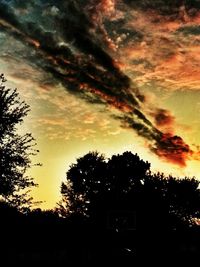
(189, 30)
(104, 66)
(163, 118)
(89, 119)
(173, 149)
(52, 121)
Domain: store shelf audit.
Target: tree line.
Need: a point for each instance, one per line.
(118, 195)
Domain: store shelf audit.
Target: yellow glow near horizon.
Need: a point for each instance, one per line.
(57, 158)
(156, 53)
(63, 136)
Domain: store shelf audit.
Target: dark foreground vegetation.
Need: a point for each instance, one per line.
(112, 211)
(44, 238)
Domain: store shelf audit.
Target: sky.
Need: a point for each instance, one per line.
(107, 76)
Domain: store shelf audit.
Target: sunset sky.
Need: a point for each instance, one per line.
(105, 75)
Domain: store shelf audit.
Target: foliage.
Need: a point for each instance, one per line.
(15, 149)
(87, 174)
(96, 186)
(94, 183)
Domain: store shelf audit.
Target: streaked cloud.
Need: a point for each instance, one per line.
(105, 52)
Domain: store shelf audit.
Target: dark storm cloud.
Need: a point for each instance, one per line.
(189, 30)
(7, 14)
(163, 117)
(142, 128)
(143, 62)
(76, 27)
(142, 117)
(68, 45)
(165, 145)
(166, 7)
(119, 28)
(172, 148)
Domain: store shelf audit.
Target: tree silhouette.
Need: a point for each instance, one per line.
(124, 183)
(95, 187)
(15, 149)
(85, 181)
(183, 197)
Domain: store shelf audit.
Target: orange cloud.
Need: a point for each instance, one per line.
(170, 59)
(163, 118)
(52, 121)
(173, 149)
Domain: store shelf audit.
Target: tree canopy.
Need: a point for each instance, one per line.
(96, 186)
(15, 149)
